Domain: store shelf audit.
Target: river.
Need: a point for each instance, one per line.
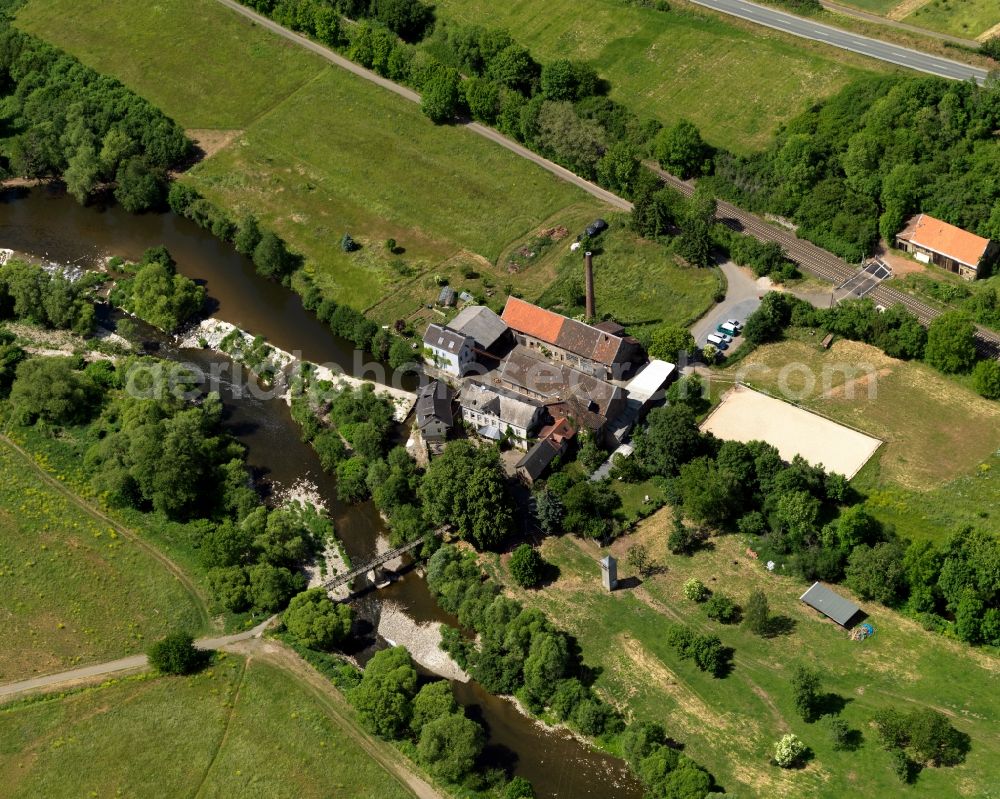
(47, 223)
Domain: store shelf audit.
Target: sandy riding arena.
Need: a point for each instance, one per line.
(748, 415)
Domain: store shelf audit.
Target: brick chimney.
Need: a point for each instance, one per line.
(588, 261)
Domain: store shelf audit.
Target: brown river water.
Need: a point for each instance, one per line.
(46, 223)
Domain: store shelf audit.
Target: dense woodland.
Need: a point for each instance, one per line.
(855, 166)
(58, 117)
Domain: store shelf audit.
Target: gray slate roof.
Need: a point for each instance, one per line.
(538, 458)
(512, 409)
(434, 402)
(830, 604)
(481, 323)
(443, 338)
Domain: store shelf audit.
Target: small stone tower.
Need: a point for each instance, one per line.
(609, 573)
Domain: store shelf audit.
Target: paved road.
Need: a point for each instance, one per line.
(481, 130)
(134, 663)
(874, 48)
(743, 293)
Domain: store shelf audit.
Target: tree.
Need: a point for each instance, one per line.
(161, 297)
(547, 663)
(317, 621)
(670, 438)
(526, 566)
(550, 511)
(681, 150)
(709, 494)
(519, 788)
(441, 96)
(248, 235)
(877, 572)
(272, 586)
(352, 476)
(408, 19)
(951, 345)
(51, 390)
(619, 167)
(696, 590)
(139, 186)
(805, 691)
(574, 142)
(839, 733)
(789, 751)
(230, 587)
(933, 740)
(668, 341)
(384, 697)
(986, 378)
(465, 486)
(82, 172)
(769, 321)
(483, 98)
(514, 68)
(721, 608)
(435, 700)
(176, 654)
(757, 614)
(450, 746)
(638, 558)
(683, 540)
(271, 257)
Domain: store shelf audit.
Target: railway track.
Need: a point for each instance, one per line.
(822, 264)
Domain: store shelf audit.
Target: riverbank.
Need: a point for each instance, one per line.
(422, 640)
(234, 342)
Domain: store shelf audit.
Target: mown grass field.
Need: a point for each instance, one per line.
(874, 6)
(342, 155)
(967, 18)
(937, 469)
(238, 729)
(736, 83)
(730, 725)
(202, 65)
(323, 153)
(74, 590)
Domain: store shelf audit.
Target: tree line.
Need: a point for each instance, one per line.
(62, 118)
(948, 344)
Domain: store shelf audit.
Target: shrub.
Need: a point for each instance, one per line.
(696, 590)
(526, 566)
(721, 608)
(840, 734)
(756, 614)
(316, 620)
(348, 244)
(805, 689)
(176, 654)
(789, 751)
(519, 788)
(986, 379)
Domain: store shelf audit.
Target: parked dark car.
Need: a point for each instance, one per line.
(595, 228)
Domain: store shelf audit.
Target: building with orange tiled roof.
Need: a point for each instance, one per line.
(590, 349)
(930, 240)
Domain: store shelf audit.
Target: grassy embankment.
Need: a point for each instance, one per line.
(238, 729)
(324, 152)
(76, 591)
(737, 83)
(730, 725)
(967, 18)
(940, 466)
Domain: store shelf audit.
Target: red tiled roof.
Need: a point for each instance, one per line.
(585, 340)
(530, 319)
(953, 242)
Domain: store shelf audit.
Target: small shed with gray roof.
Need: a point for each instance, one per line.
(434, 414)
(831, 604)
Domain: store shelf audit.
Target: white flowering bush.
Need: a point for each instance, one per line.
(696, 590)
(789, 751)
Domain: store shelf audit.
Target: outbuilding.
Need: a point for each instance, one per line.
(831, 604)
